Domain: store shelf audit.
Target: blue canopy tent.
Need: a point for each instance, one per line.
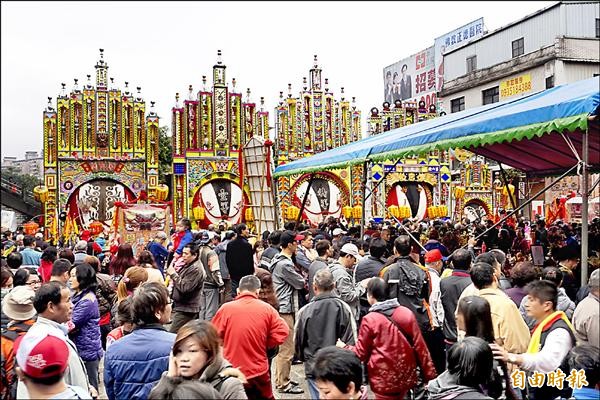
(544, 133)
(524, 133)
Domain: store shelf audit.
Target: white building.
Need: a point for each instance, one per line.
(556, 45)
(32, 164)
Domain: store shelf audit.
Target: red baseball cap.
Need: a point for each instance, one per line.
(433, 256)
(299, 237)
(42, 354)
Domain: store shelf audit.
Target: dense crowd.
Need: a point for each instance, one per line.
(434, 309)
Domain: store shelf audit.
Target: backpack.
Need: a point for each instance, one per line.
(9, 378)
(406, 283)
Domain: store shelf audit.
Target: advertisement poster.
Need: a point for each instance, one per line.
(518, 85)
(451, 41)
(411, 79)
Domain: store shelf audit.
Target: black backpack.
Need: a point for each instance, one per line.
(410, 285)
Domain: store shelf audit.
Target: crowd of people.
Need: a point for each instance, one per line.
(417, 309)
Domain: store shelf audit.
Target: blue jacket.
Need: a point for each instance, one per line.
(160, 254)
(134, 363)
(31, 256)
(86, 334)
(187, 238)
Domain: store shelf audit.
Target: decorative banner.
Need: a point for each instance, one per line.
(514, 86)
(325, 198)
(95, 200)
(145, 217)
(412, 79)
(223, 201)
(416, 195)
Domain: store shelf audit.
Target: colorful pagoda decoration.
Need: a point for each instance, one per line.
(100, 148)
(313, 122)
(209, 130)
(415, 187)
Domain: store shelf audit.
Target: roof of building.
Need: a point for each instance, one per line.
(523, 19)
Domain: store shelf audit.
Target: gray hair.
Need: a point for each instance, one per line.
(594, 282)
(80, 246)
(323, 280)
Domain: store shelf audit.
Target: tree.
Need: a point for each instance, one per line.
(25, 182)
(165, 155)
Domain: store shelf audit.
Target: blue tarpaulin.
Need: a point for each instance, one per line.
(522, 132)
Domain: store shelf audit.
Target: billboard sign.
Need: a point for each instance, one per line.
(451, 41)
(517, 85)
(411, 79)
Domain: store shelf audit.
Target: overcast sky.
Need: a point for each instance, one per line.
(164, 47)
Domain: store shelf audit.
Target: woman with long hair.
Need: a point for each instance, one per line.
(474, 317)
(84, 327)
(106, 293)
(146, 260)
(123, 260)
(133, 277)
(49, 255)
(197, 355)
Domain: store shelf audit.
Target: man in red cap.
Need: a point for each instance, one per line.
(43, 358)
(433, 263)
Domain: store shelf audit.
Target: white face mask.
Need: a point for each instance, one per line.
(5, 291)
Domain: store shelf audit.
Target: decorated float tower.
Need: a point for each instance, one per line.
(209, 130)
(414, 187)
(100, 148)
(313, 122)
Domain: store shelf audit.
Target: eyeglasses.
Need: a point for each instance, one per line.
(34, 282)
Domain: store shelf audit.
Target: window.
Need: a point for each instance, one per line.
(550, 82)
(457, 105)
(598, 27)
(518, 47)
(471, 64)
(491, 95)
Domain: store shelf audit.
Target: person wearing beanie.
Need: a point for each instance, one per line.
(18, 307)
(80, 251)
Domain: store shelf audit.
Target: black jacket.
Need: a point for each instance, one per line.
(368, 267)
(451, 288)
(321, 323)
(239, 257)
(187, 287)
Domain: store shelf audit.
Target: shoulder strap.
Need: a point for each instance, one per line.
(408, 338)
(11, 335)
(217, 383)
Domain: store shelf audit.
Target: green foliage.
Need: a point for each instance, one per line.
(165, 155)
(26, 182)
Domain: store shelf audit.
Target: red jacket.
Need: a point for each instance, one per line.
(249, 327)
(391, 358)
(45, 270)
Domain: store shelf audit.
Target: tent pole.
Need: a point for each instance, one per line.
(510, 197)
(401, 225)
(312, 177)
(544, 190)
(584, 208)
(364, 200)
(385, 174)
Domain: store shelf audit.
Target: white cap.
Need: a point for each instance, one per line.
(351, 249)
(338, 231)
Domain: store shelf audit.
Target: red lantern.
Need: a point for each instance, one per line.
(30, 228)
(96, 227)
